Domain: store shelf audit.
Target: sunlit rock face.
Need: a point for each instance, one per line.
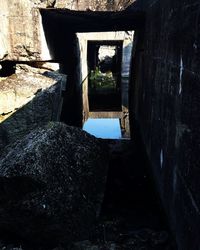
(18, 90)
(22, 37)
(112, 5)
(28, 100)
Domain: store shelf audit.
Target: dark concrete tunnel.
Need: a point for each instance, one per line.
(154, 176)
(131, 193)
(152, 196)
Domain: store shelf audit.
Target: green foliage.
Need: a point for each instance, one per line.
(99, 80)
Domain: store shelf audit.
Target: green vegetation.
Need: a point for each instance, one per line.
(101, 81)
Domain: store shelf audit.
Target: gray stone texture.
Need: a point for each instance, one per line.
(93, 4)
(52, 185)
(28, 100)
(22, 37)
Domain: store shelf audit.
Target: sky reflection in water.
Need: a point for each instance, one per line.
(105, 128)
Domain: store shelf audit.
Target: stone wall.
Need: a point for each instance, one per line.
(165, 105)
(22, 37)
(28, 100)
(93, 4)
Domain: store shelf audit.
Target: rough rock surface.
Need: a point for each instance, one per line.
(17, 90)
(22, 36)
(28, 100)
(52, 185)
(112, 5)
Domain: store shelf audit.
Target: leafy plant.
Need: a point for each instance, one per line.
(99, 80)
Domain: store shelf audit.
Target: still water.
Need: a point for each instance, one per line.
(104, 128)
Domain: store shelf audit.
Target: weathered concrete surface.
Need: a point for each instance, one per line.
(165, 104)
(111, 5)
(52, 186)
(28, 100)
(19, 89)
(22, 37)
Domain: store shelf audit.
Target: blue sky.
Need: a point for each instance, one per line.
(103, 128)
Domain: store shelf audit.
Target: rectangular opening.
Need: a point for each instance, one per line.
(106, 74)
(104, 66)
(105, 128)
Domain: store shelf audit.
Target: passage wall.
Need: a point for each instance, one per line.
(165, 105)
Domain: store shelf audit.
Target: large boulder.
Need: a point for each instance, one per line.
(28, 99)
(52, 185)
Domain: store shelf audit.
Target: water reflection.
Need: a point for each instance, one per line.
(104, 128)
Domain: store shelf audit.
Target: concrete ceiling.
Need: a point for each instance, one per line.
(94, 21)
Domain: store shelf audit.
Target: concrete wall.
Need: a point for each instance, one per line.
(127, 39)
(93, 4)
(21, 36)
(165, 104)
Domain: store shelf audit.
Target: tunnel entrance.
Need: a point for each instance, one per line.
(60, 29)
(106, 73)
(104, 67)
(131, 210)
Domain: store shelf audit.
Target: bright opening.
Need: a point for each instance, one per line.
(104, 128)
